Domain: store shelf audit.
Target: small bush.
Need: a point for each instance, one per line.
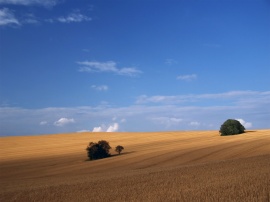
(98, 150)
(119, 149)
(231, 127)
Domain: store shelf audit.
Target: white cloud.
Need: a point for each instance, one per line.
(74, 17)
(111, 128)
(30, 2)
(7, 17)
(128, 71)
(194, 123)
(189, 77)
(43, 123)
(100, 88)
(64, 121)
(109, 66)
(97, 129)
(92, 66)
(244, 123)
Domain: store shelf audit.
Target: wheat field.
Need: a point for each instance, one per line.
(155, 166)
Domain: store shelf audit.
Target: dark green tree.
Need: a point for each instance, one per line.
(119, 149)
(231, 127)
(105, 146)
(98, 150)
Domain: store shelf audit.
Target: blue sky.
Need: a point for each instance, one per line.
(133, 65)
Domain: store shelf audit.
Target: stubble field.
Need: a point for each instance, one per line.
(155, 166)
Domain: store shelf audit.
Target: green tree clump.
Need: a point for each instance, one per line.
(231, 127)
(98, 150)
(119, 149)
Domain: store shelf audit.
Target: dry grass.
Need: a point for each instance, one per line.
(157, 166)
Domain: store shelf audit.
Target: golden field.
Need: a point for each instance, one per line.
(155, 166)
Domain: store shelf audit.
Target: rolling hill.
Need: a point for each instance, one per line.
(155, 166)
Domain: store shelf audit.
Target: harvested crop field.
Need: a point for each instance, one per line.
(155, 166)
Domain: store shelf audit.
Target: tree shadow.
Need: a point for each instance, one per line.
(124, 153)
(250, 131)
(112, 156)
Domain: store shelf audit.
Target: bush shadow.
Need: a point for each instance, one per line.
(124, 153)
(250, 131)
(112, 156)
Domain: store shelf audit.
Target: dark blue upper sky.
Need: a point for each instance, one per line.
(133, 65)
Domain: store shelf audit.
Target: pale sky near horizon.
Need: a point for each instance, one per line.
(133, 65)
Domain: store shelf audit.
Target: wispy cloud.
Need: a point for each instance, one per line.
(30, 21)
(170, 61)
(188, 77)
(92, 66)
(46, 3)
(167, 121)
(64, 121)
(143, 99)
(29, 18)
(194, 123)
(109, 67)
(74, 17)
(85, 50)
(42, 123)
(7, 17)
(128, 71)
(100, 88)
(243, 96)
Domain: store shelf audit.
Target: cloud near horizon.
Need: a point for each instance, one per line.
(247, 125)
(63, 121)
(112, 128)
(171, 114)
